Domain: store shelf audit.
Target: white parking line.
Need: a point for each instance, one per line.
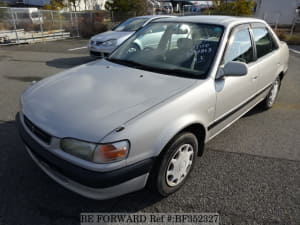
(295, 51)
(74, 49)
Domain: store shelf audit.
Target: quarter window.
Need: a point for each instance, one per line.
(264, 41)
(240, 49)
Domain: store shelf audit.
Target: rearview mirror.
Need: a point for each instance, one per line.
(233, 69)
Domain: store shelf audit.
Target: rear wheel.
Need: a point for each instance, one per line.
(269, 101)
(175, 165)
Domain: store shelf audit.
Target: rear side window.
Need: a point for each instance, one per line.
(264, 41)
(240, 49)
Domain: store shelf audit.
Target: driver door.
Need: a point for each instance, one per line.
(233, 93)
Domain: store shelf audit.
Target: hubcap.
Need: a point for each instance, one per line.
(180, 165)
(273, 93)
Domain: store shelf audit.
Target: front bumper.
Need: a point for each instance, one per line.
(94, 54)
(100, 52)
(92, 184)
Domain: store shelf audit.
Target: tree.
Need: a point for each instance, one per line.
(126, 6)
(236, 8)
(73, 3)
(3, 3)
(54, 5)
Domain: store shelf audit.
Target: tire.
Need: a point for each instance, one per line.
(176, 162)
(269, 101)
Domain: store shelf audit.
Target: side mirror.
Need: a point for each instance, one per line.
(233, 69)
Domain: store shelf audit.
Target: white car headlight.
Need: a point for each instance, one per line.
(109, 43)
(97, 153)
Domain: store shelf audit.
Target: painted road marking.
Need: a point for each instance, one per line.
(295, 51)
(74, 49)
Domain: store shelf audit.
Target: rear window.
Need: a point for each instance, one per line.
(264, 41)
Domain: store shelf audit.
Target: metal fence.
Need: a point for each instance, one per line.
(21, 25)
(25, 26)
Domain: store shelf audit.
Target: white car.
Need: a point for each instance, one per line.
(27, 15)
(101, 45)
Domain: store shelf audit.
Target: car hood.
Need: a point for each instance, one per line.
(89, 101)
(109, 35)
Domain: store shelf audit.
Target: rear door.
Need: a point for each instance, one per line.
(234, 93)
(268, 56)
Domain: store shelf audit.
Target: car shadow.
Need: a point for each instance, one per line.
(25, 78)
(28, 196)
(65, 63)
(254, 111)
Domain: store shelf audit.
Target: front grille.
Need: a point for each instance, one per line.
(99, 43)
(100, 54)
(96, 53)
(38, 132)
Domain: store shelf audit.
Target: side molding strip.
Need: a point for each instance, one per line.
(220, 120)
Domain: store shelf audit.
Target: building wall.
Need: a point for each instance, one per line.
(282, 12)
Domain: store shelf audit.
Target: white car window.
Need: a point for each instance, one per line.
(132, 24)
(151, 38)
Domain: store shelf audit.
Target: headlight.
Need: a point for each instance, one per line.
(83, 150)
(108, 43)
(97, 153)
(111, 152)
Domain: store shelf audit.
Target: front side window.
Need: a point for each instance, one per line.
(131, 24)
(264, 41)
(181, 49)
(240, 49)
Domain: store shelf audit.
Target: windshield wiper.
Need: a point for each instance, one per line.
(126, 63)
(178, 72)
(171, 71)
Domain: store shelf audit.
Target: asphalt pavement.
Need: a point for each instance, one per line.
(249, 174)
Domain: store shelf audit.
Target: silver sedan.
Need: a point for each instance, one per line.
(143, 115)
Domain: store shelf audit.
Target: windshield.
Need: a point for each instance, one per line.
(182, 49)
(131, 24)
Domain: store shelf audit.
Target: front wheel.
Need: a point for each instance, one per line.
(175, 165)
(269, 101)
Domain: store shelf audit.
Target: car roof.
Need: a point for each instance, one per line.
(155, 16)
(220, 20)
